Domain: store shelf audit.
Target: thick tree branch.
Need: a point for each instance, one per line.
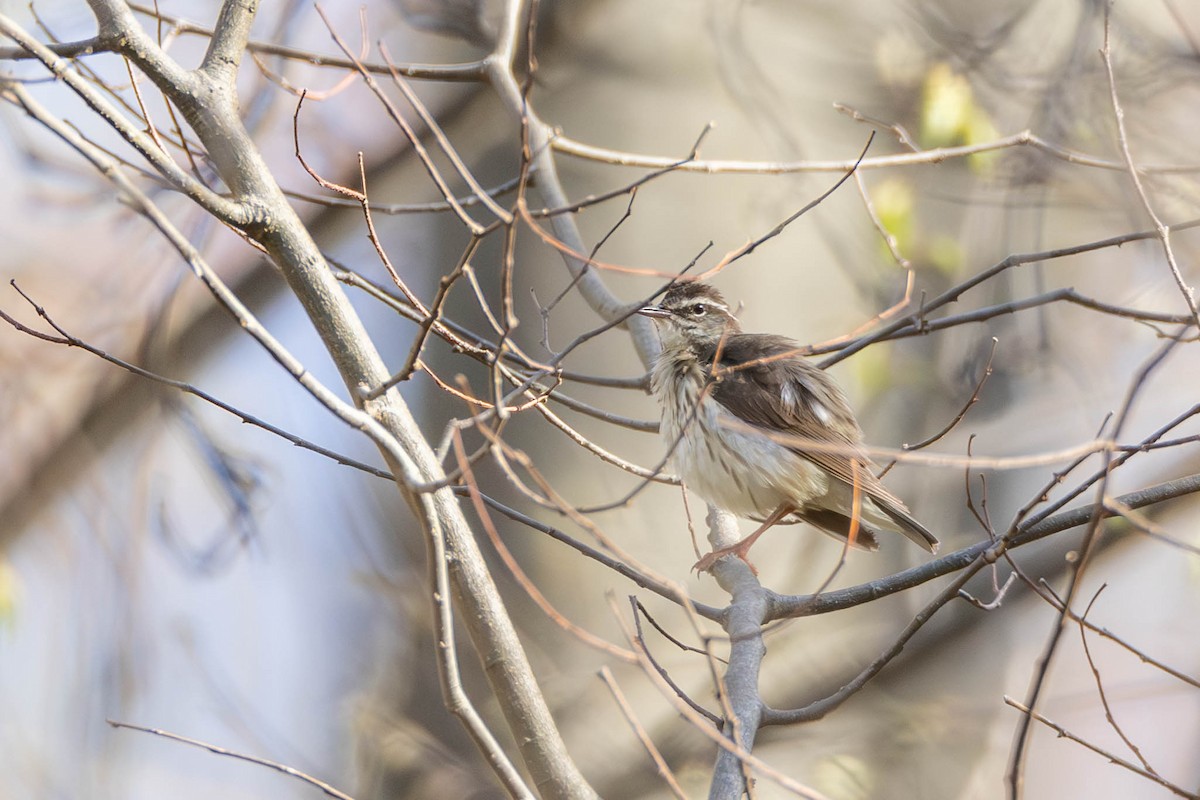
(212, 111)
(223, 208)
(749, 603)
(786, 606)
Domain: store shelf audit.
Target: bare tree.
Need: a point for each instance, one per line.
(985, 350)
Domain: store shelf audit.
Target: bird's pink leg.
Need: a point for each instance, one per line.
(742, 549)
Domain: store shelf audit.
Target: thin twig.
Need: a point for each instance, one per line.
(660, 765)
(222, 751)
(418, 146)
(1107, 755)
(701, 724)
(469, 72)
(644, 649)
(69, 340)
(1108, 713)
(1162, 231)
(665, 589)
(442, 140)
(535, 594)
(987, 373)
(937, 155)
(1045, 663)
(752, 245)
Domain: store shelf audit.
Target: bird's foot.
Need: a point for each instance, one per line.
(706, 564)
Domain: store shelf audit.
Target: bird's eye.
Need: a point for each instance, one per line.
(699, 310)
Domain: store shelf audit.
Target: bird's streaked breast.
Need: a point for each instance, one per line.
(722, 458)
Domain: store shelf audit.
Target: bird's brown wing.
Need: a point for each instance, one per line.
(763, 380)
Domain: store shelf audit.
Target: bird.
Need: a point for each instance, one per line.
(757, 430)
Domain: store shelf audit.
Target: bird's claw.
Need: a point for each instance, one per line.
(706, 564)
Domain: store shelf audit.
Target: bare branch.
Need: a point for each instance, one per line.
(535, 594)
(1108, 714)
(69, 340)
(1111, 757)
(415, 141)
(223, 208)
(325, 788)
(783, 606)
(572, 147)
(1163, 232)
(471, 71)
(1092, 534)
(659, 764)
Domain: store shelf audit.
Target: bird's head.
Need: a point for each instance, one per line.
(693, 314)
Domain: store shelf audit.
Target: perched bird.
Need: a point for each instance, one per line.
(757, 430)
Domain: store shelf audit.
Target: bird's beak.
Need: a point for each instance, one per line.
(654, 312)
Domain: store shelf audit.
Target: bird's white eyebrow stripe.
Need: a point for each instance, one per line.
(698, 301)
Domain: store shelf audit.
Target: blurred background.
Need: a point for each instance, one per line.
(163, 564)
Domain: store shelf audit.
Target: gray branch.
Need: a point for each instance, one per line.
(208, 102)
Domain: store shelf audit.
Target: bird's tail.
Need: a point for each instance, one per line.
(906, 523)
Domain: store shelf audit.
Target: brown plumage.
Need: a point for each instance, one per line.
(761, 432)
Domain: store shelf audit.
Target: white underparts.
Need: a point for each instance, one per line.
(737, 467)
